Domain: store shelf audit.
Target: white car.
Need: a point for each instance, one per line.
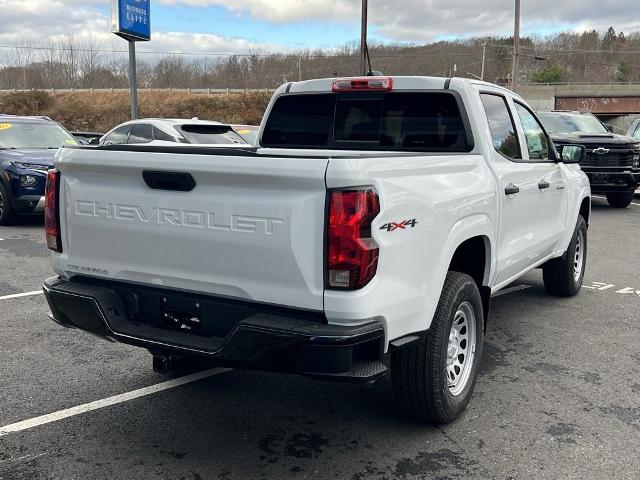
(365, 236)
(159, 131)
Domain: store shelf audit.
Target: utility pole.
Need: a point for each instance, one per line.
(299, 70)
(363, 39)
(516, 49)
(484, 57)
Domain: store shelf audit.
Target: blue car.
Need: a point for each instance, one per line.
(27, 148)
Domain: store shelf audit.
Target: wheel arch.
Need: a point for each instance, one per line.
(4, 178)
(579, 204)
(585, 209)
(473, 256)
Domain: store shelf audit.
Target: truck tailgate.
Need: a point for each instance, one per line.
(252, 227)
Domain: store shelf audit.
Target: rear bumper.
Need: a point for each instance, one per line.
(606, 181)
(264, 341)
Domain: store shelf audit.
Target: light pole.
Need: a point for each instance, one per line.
(516, 48)
(363, 39)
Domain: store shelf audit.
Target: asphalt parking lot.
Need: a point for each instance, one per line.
(558, 396)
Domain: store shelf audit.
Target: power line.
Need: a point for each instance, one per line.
(217, 54)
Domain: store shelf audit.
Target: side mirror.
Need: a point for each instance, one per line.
(572, 153)
(609, 127)
(94, 141)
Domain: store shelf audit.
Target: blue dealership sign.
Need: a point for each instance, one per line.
(130, 19)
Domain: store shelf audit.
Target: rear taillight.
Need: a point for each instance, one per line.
(364, 83)
(51, 212)
(352, 253)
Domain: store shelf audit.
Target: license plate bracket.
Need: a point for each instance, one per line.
(185, 316)
(599, 178)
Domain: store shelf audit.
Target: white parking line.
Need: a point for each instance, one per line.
(509, 290)
(18, 295)
(107, 402)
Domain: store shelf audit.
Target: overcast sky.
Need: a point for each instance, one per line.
(277, 25)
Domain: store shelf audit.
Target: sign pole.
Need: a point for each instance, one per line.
(133, 80)
(131, 20)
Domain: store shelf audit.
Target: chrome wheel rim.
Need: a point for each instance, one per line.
(578, 258)
(1, 204)
(461, 349)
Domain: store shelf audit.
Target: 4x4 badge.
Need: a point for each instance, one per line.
(601, 150)
(390, 227)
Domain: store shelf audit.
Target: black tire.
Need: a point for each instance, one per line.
(620, 200)
(559, 274)
(7, 215)
(418, 372)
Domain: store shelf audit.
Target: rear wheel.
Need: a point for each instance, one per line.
(7, 215)
(620, 200)
(433, 380)
(563, 276)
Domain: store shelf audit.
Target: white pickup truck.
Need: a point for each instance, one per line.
(364, 236)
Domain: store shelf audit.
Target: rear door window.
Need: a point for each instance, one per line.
(118, 136)
(210, 134)
(160, 135)
(403, 121)
(503, 130)
(141, 133)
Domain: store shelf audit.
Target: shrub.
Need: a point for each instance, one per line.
(551, 74)
(26, 103)
(101, 111)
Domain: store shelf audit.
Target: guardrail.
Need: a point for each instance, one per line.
(217, 91)
(583, 84)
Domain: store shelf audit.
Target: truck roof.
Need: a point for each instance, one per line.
(399, 83)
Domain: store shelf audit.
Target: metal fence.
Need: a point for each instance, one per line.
(194, 91)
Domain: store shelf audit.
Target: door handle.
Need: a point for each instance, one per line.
(543, 184)
(172, 181)
(511, 189)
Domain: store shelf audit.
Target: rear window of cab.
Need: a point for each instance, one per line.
(403, 121)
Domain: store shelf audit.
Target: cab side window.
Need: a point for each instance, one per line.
(118, 136)
(537, 142)
(141, 133)
(503, 130)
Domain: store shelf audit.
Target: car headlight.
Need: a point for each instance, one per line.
(28, 180)
(636, 156)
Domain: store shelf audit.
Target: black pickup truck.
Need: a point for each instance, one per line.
(612, 162)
